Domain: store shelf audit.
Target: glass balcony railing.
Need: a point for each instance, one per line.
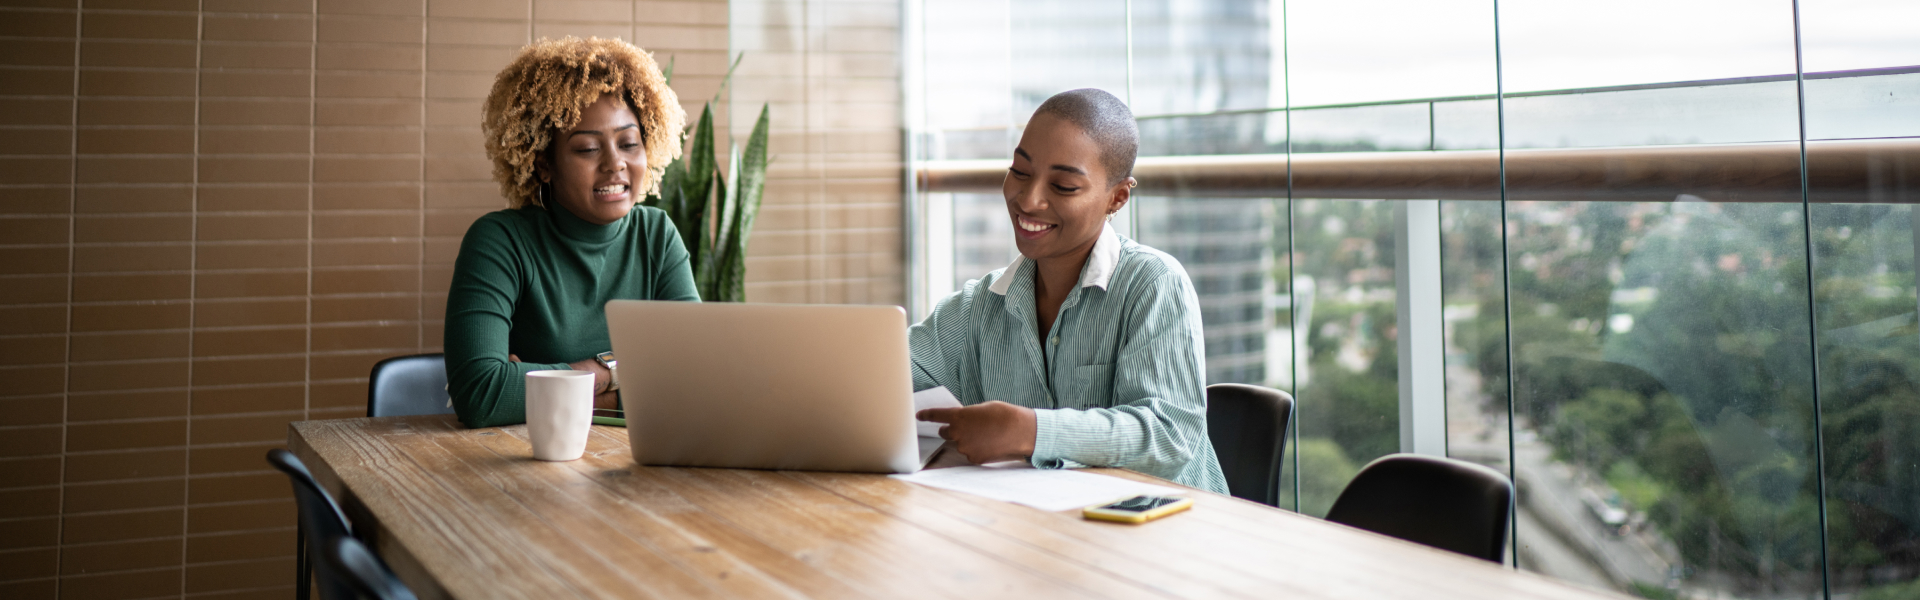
(1696, 353)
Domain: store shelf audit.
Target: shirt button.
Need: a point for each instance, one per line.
(1055, 341)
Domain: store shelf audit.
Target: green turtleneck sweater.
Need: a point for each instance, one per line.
(535, 282)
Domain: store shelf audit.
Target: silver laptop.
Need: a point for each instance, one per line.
(766, 386)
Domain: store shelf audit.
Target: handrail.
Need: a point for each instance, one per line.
(1877, 171)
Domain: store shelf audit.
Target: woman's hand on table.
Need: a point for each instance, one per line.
(985, 433)
(602, 379)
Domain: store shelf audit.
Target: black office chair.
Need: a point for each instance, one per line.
(321, 524)
(1248, 427)
(1448, 504)
(409, 385)
(364, 572)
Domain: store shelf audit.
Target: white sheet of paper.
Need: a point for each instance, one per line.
(1045, 489)
(932, 398)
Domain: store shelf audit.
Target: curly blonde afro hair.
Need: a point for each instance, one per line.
(545, 90)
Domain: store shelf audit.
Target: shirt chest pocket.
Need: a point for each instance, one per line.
(1092, 388)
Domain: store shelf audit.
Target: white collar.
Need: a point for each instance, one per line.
(1100, 264)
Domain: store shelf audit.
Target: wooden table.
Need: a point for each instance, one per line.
(469, 514)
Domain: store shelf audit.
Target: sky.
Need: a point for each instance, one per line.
(1344, 51)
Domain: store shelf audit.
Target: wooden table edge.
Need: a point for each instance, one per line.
(367, 526)
(420, 578)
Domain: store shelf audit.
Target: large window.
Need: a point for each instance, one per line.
(1653, 258)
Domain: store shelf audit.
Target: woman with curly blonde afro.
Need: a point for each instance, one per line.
(578, 131)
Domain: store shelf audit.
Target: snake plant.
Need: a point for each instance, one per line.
(713, 211)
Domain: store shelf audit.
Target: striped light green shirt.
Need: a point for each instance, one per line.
(1121, 384)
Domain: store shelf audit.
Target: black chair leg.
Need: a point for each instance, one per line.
(302, 578)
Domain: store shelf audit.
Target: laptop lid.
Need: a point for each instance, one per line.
(766, 386)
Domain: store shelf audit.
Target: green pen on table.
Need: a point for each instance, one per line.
(609, 416)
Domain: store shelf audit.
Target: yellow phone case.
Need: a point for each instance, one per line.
(1125, 516)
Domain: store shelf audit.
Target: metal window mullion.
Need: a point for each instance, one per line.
(1416, 274)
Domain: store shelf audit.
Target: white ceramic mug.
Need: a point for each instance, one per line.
(559, 413)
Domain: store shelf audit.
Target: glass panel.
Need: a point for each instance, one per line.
(1406, 126)
(1351, 51)
(1060, 45)
(969, 112)
(1558, 45)
(1663, 433)
(1235, 251)
(1663, 439)
(1229, 133)
(1712, 114)
(1664, 404)
(1840, 35)
(1349, 410)
(1864, 104)
(1474, 312)
(1228, 247)
(1466, 125)
(1866, 84)
(1200, 56)
(994, 63)
(1355, 90)
(1869, 374)
(982, 236)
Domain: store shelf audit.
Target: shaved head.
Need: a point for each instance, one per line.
(1105, 119)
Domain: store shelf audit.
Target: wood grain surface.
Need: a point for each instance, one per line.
(466, 513)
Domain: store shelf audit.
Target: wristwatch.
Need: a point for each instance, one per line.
(613, 369)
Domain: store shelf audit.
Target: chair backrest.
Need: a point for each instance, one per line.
(1448, 504)
(363, 571)
(1248, 427)
(409, 385)
(320, 517)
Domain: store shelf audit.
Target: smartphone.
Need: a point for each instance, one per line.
(1138, 509)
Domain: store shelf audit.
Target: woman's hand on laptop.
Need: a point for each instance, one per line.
(985, 433)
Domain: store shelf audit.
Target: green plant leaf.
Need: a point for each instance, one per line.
(714, 212)
(673, 197)
(697, 185)
(715, 272)
(752, 184)
(714, 285)
(753, 173)
(728, 78)
(668, 73)
(729, 205)
(668, 197)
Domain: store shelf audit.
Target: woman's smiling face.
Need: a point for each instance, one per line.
(593, 166)
(1057, 191)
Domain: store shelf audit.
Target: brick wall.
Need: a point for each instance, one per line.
(216, 215)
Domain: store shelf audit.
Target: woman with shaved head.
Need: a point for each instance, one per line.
(1086, 351)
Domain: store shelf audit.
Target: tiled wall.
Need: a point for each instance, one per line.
(216, 215)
